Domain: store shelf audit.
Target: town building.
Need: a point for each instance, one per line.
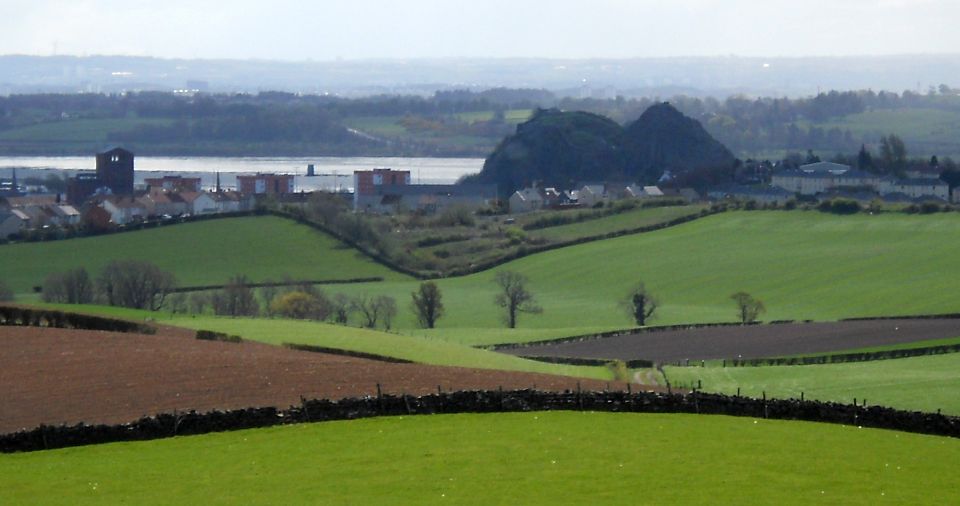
(173, 184)
(265, 184)
(113, 176)
(367, 184)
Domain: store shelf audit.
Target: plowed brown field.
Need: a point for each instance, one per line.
(753, 341)
(54, 376)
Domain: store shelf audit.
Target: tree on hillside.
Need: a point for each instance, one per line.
(865, 160)
(235, 299)
(427, 304)
(748, 308)
(376, 309)
(70, 287)
(639, 304)
(340, 308)
(893, 154)
(514, 297)
(135, 283)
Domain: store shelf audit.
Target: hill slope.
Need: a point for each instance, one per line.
(199, 253)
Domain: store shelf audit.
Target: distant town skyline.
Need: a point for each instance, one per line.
(374, 29)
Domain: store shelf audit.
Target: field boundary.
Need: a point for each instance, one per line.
(346, 353)
(32, 317)
(201, 288)
(482, 401)
(839, 358)
(691, 326)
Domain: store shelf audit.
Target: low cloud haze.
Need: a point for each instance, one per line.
(294, 30)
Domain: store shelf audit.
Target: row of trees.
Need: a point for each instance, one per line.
(142, 285)
(127, 283)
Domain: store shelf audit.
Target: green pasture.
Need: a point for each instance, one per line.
(516, 458)
(198, 253)
(422, 350)
(802, 264)
(927, 383)
(633, 219)
(87, 131)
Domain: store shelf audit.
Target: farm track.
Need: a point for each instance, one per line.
(754, 341)
(56, 376)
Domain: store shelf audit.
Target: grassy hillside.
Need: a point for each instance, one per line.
(921, 383)
(803, 265)
(517, 458)
(199, 253)
(421, 350)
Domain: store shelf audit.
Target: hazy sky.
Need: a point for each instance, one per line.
(328, 29)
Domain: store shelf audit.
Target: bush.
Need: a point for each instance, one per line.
(839, 206)
(301, 306)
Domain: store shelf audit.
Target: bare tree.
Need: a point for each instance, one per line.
(341, 307)
(427, 304)
(748, 308)
(235, 299)
(70, 287)
(135, 283)
(514, 296)
(177, 302)
(388, 309)
(198, 302)
(639, 304)
(375, 309)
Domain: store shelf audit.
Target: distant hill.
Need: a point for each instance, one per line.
(663, 138)
(557, 148)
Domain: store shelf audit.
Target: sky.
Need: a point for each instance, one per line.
(324, 30)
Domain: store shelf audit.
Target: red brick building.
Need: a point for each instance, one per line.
(265, 184)
(365, 182)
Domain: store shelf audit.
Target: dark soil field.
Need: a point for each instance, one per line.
(55, 376)
(753, 341)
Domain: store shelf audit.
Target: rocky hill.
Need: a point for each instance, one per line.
(556, 148)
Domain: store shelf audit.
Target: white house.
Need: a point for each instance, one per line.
(124, 209)
(12, 222)
(199, 202)
(590, 194)
(526, 200)
(916, 188)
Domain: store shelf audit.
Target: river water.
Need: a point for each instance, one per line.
(332, 172)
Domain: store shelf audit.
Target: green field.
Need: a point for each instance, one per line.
(928, 383)
(802, 264)
(629, 220)
(83, 131)
(518, 458)
(199, 253)
(421, 350)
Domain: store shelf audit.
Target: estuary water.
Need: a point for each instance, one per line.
(332, 172)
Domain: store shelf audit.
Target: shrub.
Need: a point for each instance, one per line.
(839, 206)
(301, 306)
